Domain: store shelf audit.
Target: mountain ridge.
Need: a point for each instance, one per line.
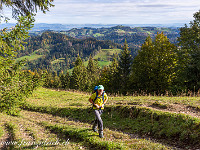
(59, 27)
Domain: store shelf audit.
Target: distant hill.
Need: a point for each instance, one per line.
(135, 36)
(56, 51)
(59, 27)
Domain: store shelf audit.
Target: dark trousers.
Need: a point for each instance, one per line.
(98, 121)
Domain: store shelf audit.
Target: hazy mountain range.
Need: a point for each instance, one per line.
(63, 27)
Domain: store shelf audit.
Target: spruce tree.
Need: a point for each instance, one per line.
(92, 72)
(16, 84)
(113, 72)
(91, 66)
(105, 79)
(26, 7)
(124, 69)
(189, 53)
(79, 75)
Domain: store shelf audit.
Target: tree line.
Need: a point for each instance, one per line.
(160, 67)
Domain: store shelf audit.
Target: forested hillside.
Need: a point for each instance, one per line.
(58, 52)
(135, 36)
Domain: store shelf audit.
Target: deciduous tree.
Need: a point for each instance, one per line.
(154, 68)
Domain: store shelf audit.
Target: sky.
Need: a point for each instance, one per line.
(118, 12)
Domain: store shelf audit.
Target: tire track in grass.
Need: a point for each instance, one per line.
(178, 108)
(62, 106)
(36, 126)
(77, 114)
(82, 133)
(28, 135)
(4, 139)
(164, 106)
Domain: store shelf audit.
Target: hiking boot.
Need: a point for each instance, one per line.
(101, 134)
(94, 128)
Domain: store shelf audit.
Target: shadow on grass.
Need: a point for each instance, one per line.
(38, 146)
(143, 121)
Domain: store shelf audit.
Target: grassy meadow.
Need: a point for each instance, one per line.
(105, 56)
(130, 122)
(30, 57)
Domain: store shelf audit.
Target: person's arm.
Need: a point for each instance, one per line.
(91, 101)
(106, 98)
(105, 101)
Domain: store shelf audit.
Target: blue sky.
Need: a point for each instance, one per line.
(119, 12)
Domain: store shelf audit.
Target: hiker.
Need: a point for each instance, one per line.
(98, 99)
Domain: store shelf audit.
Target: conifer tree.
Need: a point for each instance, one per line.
(91, 66)
(124, 69)
(189, 53)
(92, 72)
(105, 79)
(15, 84)
(113, 72)
(65, 80)
(26, 7)
(79, 75)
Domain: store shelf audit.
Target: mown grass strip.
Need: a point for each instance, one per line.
(91, 139)
(12, 129)
(26, 134)
(1, 132)
(165, 125)
(109, 135)
(84, 135)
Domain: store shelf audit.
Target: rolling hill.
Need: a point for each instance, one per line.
(135, 36)
(56, 51)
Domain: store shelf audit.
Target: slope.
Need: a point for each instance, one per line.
(141, 116)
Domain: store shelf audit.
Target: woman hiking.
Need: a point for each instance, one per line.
(98, 99)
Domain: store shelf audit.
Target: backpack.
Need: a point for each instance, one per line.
(95, 89)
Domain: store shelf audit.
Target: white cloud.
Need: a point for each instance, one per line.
(120, 11)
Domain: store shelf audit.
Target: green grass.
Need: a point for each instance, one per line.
(120, 31)
(1, 132)
(29, 58)
(43, 127)
(12, 129)
(58, 60)
(104, 63)
(140, 120)
(48, 97)
(149, 100)
(91, 139)
(83, 134)
(98, 34)
(105, 56)
(124, 113)
(27, 133)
